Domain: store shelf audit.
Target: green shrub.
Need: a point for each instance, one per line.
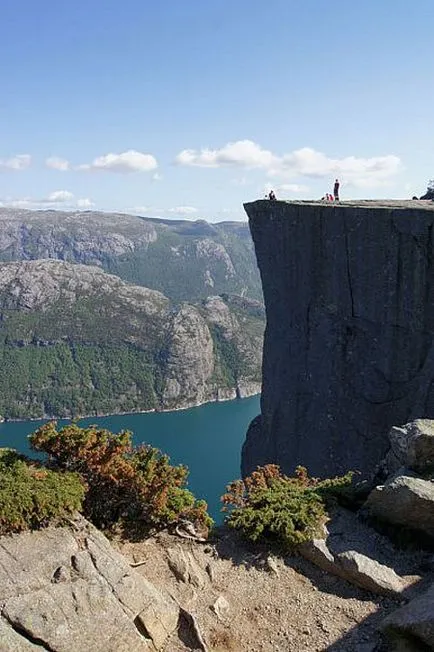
(289, 510)
(32, 496)
(135, 487)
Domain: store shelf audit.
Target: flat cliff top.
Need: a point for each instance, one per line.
(420, 204)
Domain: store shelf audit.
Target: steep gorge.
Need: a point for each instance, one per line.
(348, 350)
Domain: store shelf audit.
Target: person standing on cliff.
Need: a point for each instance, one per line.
(271, 195)
(336, 190)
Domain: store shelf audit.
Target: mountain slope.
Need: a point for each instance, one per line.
(185, 260)
(75, 340)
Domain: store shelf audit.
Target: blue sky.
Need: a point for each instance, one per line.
(188, 108)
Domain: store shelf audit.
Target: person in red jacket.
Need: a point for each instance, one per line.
(336, 190)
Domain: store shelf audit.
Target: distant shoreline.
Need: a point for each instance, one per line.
(116, 414)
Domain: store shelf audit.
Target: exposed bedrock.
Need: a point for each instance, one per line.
(348, 352)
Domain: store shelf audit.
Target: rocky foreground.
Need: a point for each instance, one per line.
(354, 590)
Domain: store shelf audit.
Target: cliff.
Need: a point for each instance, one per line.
(348, 350)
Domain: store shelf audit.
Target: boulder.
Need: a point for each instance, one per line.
(221, 608)
(358, 569)
(67, 590)
(406, 501)
(412, 446)
(317, 552)
(414, 621)
(369, 574)
(185, 567)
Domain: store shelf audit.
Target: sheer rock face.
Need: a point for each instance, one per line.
(348, 351)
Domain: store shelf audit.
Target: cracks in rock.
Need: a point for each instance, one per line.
(347, 253)
(21, 631)
(141, 628)
(128, 612)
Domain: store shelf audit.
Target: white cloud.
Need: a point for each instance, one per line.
(85, 203)
(244, 153)
(17, 203)
(308, 162)
(182, 210)
(157, 177)
(130, 161)
(18, 162)
(141, 210)
(285, 188)
(293, 187)
(242, 181)
(56, 163)
(304, 162)
(58, 197)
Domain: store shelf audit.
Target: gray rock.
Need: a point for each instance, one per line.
(369, 574)
(67, 589)
(189, 359)
(185, 567)
(412, 446)
(405, 501)
(348, 349)
(221, 608)
(353, 566)
(11, 641)
(414, 621)
(317, 552)
(272, 566)
(74, 617)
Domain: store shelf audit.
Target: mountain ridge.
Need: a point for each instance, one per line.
(186, 260)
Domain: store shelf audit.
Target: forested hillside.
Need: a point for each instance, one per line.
(75, 340)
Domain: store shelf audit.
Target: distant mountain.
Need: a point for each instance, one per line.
(186, 261)
(75, 340)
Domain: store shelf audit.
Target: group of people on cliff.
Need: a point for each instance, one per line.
(327, 197)
(335, 197)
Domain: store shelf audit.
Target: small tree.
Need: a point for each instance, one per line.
(32, 496)
(268, 504)
(430, 190)
(124, 484)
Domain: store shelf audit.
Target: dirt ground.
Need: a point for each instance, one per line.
(265, 603)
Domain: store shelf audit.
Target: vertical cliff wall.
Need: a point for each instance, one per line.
(348, 351)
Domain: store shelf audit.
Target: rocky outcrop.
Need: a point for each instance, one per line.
(348, 350)
(354, 551)
(406, 501)
(413, 625)
(411, 446)
(354, 567)
(67, 590)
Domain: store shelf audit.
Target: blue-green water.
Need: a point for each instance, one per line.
(207, 439)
